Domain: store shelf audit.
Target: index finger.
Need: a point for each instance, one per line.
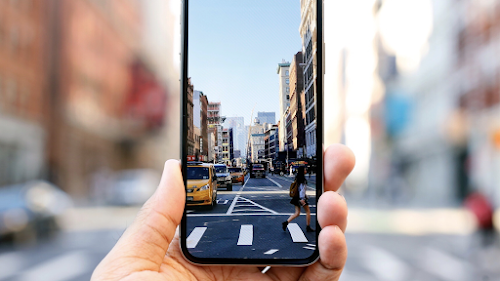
(338, 163)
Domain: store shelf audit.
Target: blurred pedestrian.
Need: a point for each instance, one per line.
(300, 200)
(479, 205)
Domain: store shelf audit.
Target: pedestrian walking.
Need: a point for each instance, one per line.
(299, 199)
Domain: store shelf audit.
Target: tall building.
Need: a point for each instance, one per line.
(296, 116)
(308, 32)
(240, 132)
(200, 104)
(204, 127)
(270, 142)
(190, 120)
(215, 121)
(284, 99)
(266, 117)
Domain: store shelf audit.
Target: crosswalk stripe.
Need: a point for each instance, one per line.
(309, 248)
(385, 265)
(63, 267)
(270, 252)
(296, 233)
(195, 237)
(246, 235)
(450, 267)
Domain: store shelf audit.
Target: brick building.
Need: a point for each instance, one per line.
(23, 82)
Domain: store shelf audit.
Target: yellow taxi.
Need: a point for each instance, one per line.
(237, 174)
(201, 184)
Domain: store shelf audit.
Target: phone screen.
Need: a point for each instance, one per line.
(252, 107)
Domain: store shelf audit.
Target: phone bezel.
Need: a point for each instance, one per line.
(319, 146)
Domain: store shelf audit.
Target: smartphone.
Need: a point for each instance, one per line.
(252, 110)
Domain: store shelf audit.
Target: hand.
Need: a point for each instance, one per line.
(149, 249)
(302, 202)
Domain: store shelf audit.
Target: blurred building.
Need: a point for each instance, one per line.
(308, 33)
(284, 100)
(23, 87)
(103, 98)
(475, 122)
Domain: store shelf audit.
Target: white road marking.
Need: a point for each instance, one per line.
(266, 269)
(231, 207)
(296, 233)
(276, 183)
(195, 237)
(258, 205)
(63, 267)
(385, 265)
(270, 252)
(246, 235)
(309, 248)
(219, 201)
(244, 184)
(10, 263)
(450, 267)
(312, 206)
(311, 245)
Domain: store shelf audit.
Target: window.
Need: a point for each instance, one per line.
(287, 97)
(288, 89)
(287, 73)
(287, 81)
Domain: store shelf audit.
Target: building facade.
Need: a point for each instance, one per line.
(296, 114)
(308, 32)
(23, 88)
(284, 100)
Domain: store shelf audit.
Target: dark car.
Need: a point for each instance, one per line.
(29, 210)
(258, 170)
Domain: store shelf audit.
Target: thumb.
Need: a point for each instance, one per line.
(144, 244)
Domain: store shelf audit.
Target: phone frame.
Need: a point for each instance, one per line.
(319, 146)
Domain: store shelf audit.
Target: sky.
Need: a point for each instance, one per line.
(234, 49)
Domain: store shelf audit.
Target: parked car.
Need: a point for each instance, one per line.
(257, 171)
(132, 187)
(201, 184)
(223, 176)
(237, 175)
(30, 210)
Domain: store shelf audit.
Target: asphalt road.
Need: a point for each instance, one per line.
(247, 223)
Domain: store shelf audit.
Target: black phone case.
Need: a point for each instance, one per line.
(319, 147)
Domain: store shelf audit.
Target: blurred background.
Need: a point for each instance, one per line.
(89, 112)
